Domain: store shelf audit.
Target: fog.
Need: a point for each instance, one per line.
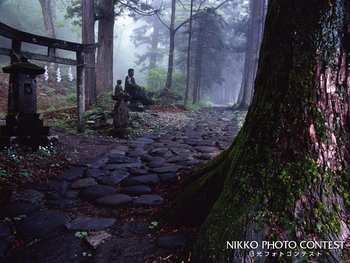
(217, 53)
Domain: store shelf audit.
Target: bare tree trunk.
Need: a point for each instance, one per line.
(257, 15)
(48, 21)
(197, 70)
(88, 32)
(104, 69)
(154, 45)
(50, 30)
(188, 57)
(171, 46)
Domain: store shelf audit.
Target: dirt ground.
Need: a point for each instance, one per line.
(20, 168)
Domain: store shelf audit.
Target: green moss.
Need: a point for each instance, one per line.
(320, 125)
(269, 167)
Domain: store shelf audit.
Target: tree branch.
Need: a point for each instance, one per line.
(138, 11)
(196, 15)
(183, 6)
(160, 19)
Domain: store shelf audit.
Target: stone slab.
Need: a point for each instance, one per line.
(72, 174)
(115, 200)
(114, 178)
(136, 190)
(90, 223)
(166, 169)
(52, 186)
(150, 179)
(132, 229)
(28, 196)
(119, 158)
(96, 191)
(121, 166)
(82, 183)
(97, 238)
(148, 200)
(41, 223)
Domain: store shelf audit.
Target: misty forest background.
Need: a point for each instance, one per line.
(285, 176)
(205, 52)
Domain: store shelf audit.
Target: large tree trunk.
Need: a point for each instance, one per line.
(257, 16)
(154, 45)
(188, 56)
(50, 31)
(172, 33)
(104, 69)
(285, 177)
(198, 65)
(88, 28)
(48, 21)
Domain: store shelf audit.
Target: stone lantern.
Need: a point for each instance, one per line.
(23, 124)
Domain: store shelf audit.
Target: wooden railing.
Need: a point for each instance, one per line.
(18, 37)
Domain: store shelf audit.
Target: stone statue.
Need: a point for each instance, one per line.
(137, 93)
(119, 92)
(121, 119)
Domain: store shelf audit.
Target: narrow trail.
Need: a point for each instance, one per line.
(102, 211)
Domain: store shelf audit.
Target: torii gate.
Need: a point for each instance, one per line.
(17, 37)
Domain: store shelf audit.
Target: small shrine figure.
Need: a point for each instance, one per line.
(119, 92)
(121, 119)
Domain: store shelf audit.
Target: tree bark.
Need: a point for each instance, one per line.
(198, 65)
(257, 16)
(188, 56)
(88, 37)
(50, 31)
(172, 33)
(48, 21)
(286, 175)
(154, 45)
(104, 69)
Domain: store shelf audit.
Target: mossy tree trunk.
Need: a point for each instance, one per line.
(285, 177)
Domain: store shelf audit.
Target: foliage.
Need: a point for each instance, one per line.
(157, 77)
(14, 219)
(153, 224)
(63, 120)
(31, 17)
(81, 234)
(87, 254)
(168, 96)
(3, 172)
(209, 49)
(204, 102)
(74, 9)
(104, 100)
(154, 36)
(71, 99)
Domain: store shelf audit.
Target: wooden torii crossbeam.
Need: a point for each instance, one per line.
(18, 37)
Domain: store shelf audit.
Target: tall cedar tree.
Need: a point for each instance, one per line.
(88, 37)
(254, 36)
(154, 35)
(209, 52)
(286, 175)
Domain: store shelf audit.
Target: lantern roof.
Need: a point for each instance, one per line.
(25, 67)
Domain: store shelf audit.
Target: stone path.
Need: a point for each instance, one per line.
(70, 218)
